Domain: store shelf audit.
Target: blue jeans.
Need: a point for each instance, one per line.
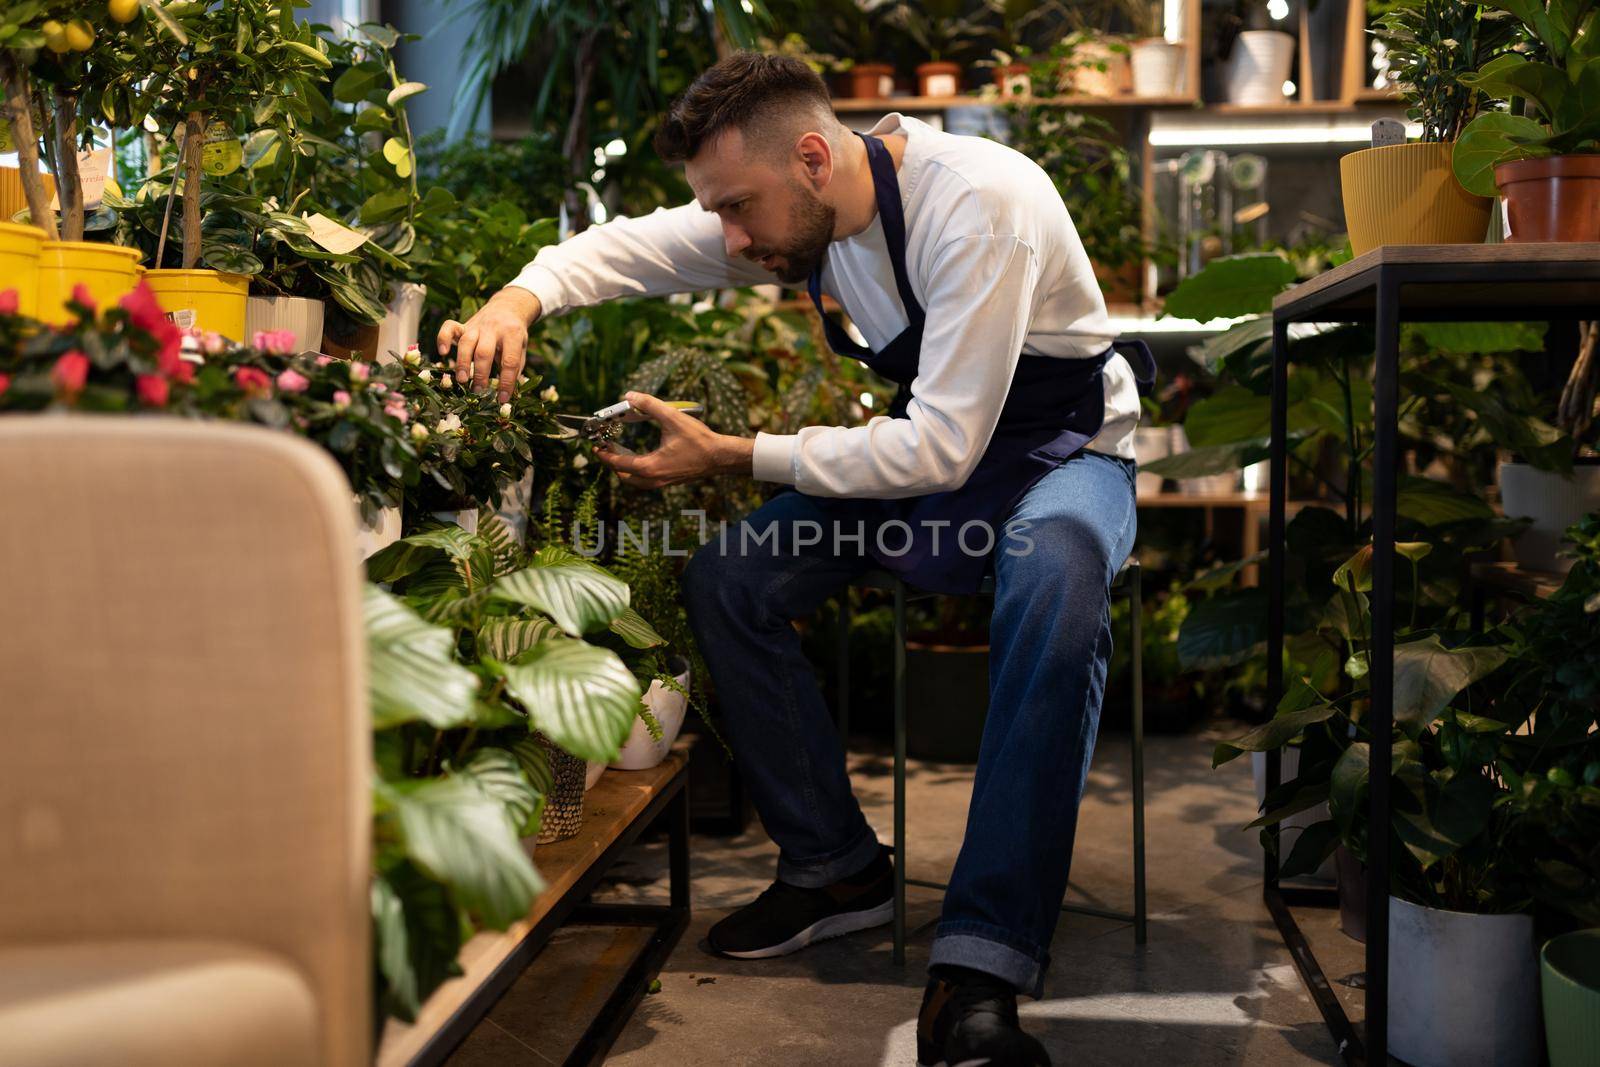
(1050, 643)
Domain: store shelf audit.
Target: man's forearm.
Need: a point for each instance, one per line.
(734, 455)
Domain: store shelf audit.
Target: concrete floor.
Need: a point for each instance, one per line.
(1214, 985)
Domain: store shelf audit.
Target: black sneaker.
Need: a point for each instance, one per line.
(969, 1018)
(786, 918)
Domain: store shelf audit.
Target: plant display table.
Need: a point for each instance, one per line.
(1420, 283)
(616, 811)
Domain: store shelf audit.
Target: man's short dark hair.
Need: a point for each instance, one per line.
(747, 91)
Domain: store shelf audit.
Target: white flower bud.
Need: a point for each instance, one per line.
(505, 411)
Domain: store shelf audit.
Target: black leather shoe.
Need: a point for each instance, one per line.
(786, 918)
(969, 1019)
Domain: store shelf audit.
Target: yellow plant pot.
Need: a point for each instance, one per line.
(1407, 194)
(19, 264)
(204, 299)
(106, 270)
(11, 198)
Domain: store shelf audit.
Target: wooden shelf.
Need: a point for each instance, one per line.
(609, 810)
(1240, 499)
(886, 104)
(1292, 109)
(1510, 578)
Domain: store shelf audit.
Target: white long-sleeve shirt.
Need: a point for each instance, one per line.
(994, 260)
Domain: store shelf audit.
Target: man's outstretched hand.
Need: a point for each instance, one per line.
(500, 328)
(689, 449)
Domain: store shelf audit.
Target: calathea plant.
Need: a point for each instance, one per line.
(480, 647)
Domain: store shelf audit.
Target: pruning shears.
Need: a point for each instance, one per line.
(604, 427)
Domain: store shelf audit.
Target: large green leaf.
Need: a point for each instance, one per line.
(580, 596)
(1427, 676)
(1213, 459)
(1311, 848)
(1434, 819)
(1347, 787)
(417, 937)
(1435, 503)
(499, 774)
(1224, 630)
(1228, 416)
(1273, 734)
(462, 836)
(1231, 287)
(412, 672)
(579, 695)
(1514, 74)
(1490, 139)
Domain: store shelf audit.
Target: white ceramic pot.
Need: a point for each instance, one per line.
(1259, 66)
(592, 775)
(1210, 485)
(298, 315)
(1290, 829)
(1157, 67)
(514, 504)
(1088, 80)
(640, 751)
(467, 518)
(398, 330)
(1150, 443)
(1554, 503)
(1463, 988)
(377, 536)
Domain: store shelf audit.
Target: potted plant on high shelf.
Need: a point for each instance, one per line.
(1257, 56)
(1434, 47)
(853, 30)
(946, 31)
(1546, 160)
(1019, 26)
(1092, 63)
(235, 55)
(1157, 63)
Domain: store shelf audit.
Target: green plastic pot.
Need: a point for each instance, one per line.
(1571, 987)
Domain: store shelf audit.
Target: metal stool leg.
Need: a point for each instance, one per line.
(1136, 607)
(899, 773)
(842, 667)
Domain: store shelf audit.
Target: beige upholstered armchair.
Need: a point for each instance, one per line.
(184, 748)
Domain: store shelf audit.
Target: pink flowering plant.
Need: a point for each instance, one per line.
(126, 357)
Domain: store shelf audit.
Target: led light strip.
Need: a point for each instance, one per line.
(1219, 136)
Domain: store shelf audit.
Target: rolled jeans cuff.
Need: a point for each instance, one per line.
(970, 949)
(819, 871)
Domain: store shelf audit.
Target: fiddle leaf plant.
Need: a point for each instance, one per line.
(1556, 74)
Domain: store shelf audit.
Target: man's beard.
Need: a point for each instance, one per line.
(812, 220)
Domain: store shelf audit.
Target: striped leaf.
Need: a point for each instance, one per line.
(535, 764)
(497, 772)
(577, 594)
(578, 695)
(411, 668)
(505, 639)
(462, 836)
(632, 628)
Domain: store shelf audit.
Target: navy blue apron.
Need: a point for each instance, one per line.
(1053, 409)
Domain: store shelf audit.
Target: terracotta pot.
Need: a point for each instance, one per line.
(871, 81)
(1014, 79)
(938, 79)
(363, 344)
(1552, 199)
(1407, 194)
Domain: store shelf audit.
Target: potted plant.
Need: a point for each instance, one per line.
(1092, 63)
(233, 56)
(1017, 32)
(854, 31)
(945, 31)
(1433, 46)
(1570, 983)
(1258, 58)
(1545, 161)
(56, 65)
(1157, 63)
(1557, 485)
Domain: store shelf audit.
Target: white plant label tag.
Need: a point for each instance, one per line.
(93, 168)
(333, 236)
(183, 318)
(941, 85)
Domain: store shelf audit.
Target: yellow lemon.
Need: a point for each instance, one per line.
(55, 37)
(123, 10)
(80, 35)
